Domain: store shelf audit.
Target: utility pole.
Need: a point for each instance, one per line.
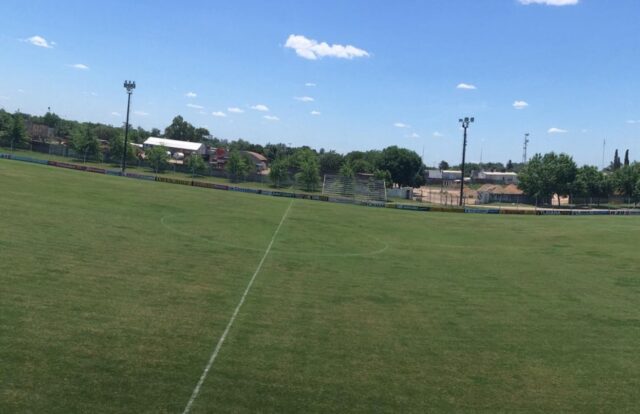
(524, 149)
(604, 146)
(129, 86)
(465, 124)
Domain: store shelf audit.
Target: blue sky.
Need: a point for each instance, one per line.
(380, 73)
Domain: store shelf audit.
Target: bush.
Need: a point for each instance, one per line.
(157, 158)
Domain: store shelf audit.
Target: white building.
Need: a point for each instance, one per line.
(174, 146)
(498, 177)
(446, 175)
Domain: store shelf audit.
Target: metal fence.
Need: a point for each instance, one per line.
(66, 152)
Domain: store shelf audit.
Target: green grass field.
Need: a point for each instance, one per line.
(114, 293)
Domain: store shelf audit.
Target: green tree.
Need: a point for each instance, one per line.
(443, 165)
(509, 166)
(347, 171)
(279, 172)
(6, 123)
(180, 130)
(535, 180)
(330, 162)
(546, 175)
(590, 183)
(384, 175)
(308, 178)
(625, 180)
(564, 174)
(157, 158)
(85, 143)
(364, 161)
(362, 165)
(196, 164)
(275, 151)
(302, 156)
(65, 128)
(626, 158)
(237, 166)
(201, 133)
(116, 147)
(403, 164)
(17, 135)
(51, 120)
(616, 164)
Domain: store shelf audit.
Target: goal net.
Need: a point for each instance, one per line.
(360, 187)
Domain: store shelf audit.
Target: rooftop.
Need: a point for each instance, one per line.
(172, 143)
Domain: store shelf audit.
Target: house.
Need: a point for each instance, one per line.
(175, 146)
(39, 132)
(259, 161)
(492, 193)
(218, 158)
(496, 177)
(444, 177)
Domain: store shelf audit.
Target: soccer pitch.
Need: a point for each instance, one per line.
(115, 292)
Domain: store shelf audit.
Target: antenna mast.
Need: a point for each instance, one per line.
(524, 149)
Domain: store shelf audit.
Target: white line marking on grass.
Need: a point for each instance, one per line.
(385, 245)
(196, 390)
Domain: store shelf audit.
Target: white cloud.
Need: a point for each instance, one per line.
(550, 2)
(219, 114)
(401, 125)
(93, 94)
(438, 134)
(191, 94)
(315, 113)
(271, 118)
(633, 121)
(116, 113)
(79, 66)
(413, 135)
(555, 130)
(304, 98)
(466, 86)
(141, 113)
(21, 90)
(4, 98)
(312, 50)
(235, 110)
(310, 84)
(260, 107)
(520, 104)
(39, 41)
(194, 106)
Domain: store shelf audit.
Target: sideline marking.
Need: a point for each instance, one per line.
(196, 390)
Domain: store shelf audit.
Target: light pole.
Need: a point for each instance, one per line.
(465, 124)
(129, 86)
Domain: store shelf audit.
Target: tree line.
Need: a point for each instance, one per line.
(540, 178)
(551, 173)
(306, 165)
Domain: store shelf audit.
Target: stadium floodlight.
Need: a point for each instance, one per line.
(129, 86)
(465, 124)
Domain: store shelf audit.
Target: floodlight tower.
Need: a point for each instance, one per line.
(524, 148)
(129, 86)
(465, 124)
